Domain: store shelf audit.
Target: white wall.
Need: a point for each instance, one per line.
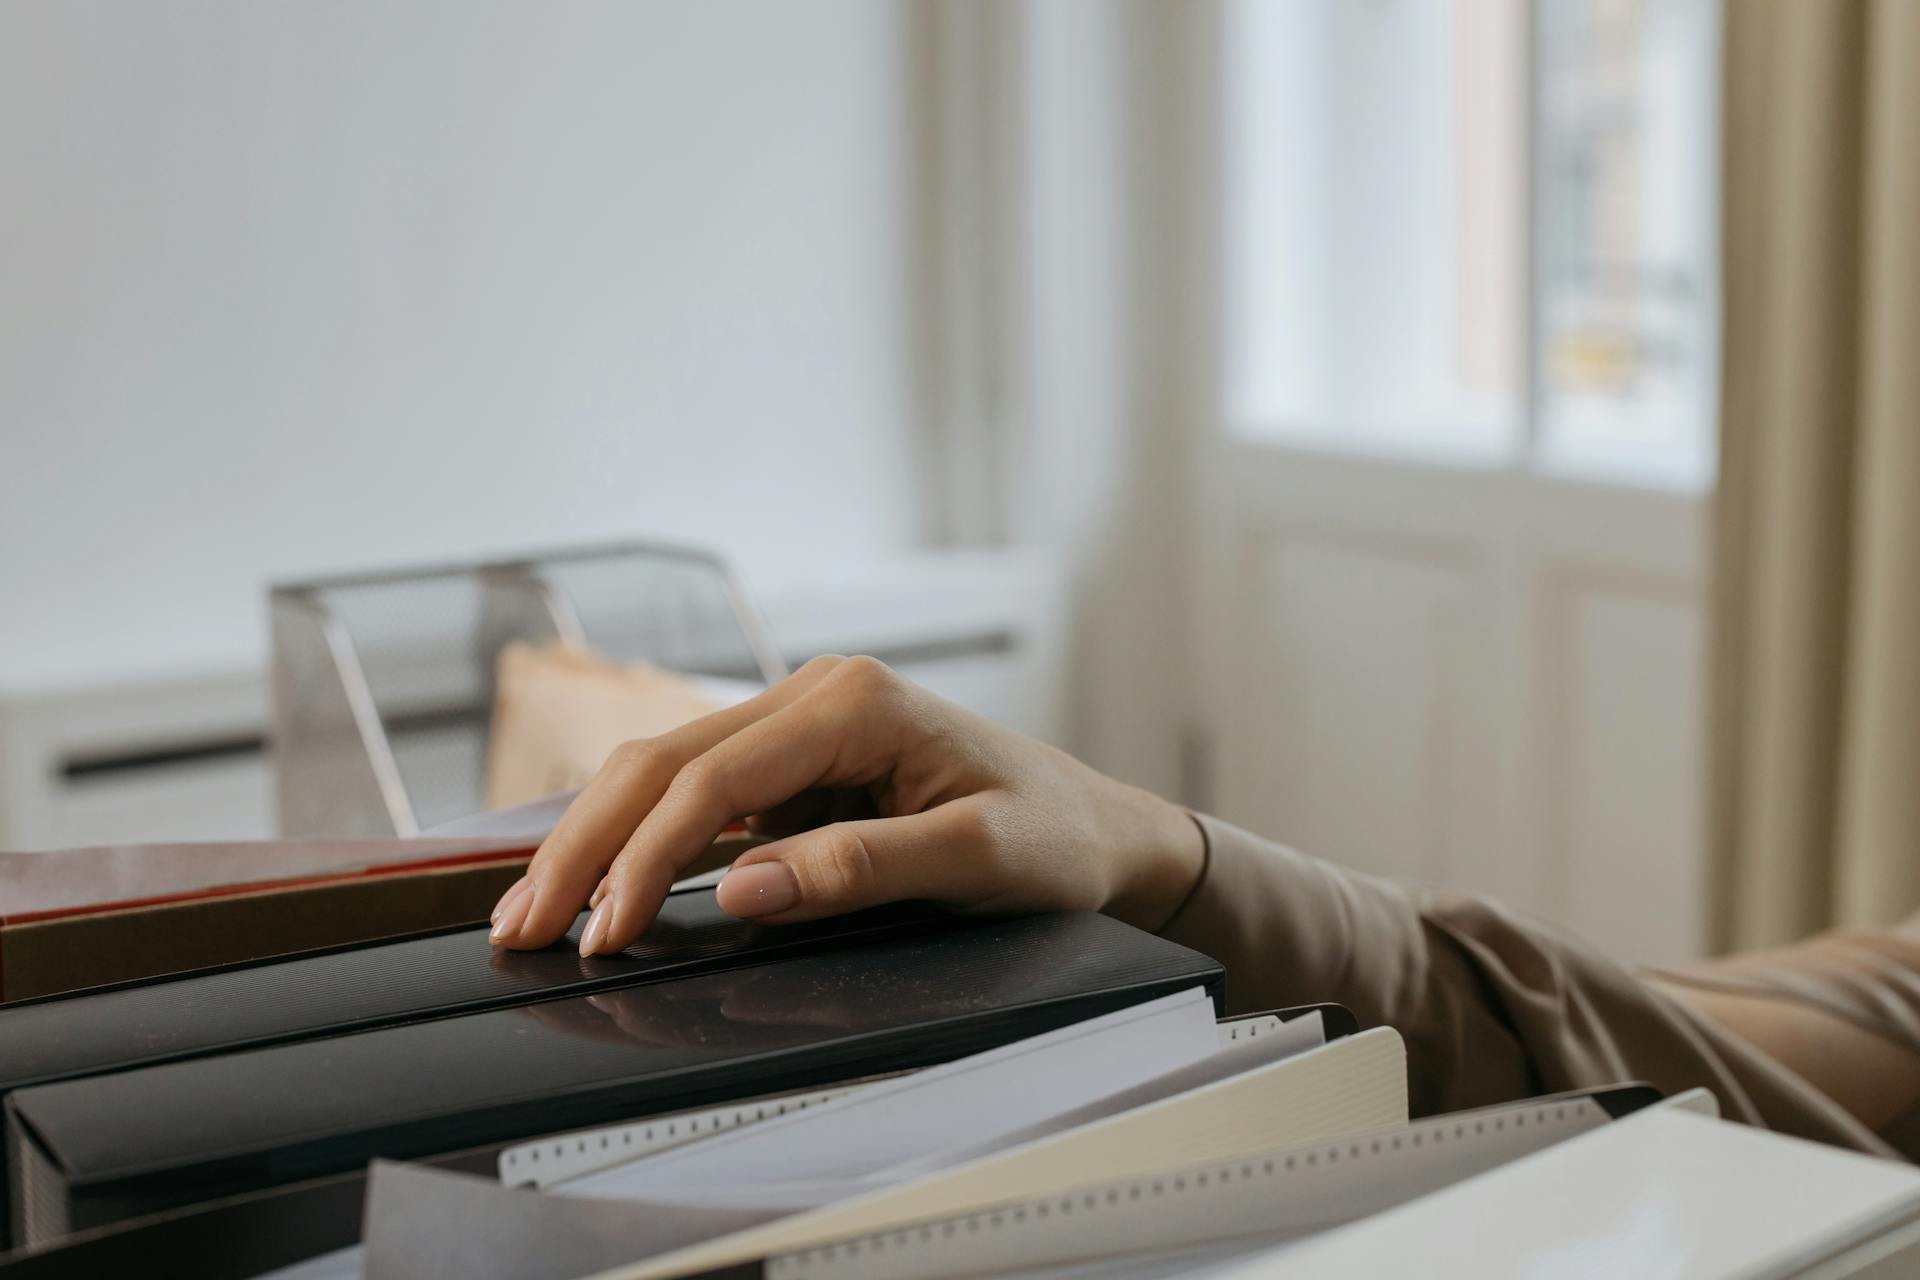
(290, 288)
(1122, 362)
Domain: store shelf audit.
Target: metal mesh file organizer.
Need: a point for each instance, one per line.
(382, 683)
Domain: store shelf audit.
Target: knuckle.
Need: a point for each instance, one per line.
(867, 677)
(636, 871)
(975, 830)
(698, 779)
(644, 764)
(544, 858)
(635, 755)
(556, 856)
(820, 666)
(701, 785)
(842, 868)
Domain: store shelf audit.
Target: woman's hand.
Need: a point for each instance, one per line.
(877, 791)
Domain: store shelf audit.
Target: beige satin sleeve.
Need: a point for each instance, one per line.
(1493, 1007)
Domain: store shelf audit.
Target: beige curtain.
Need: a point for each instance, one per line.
(1816, 718)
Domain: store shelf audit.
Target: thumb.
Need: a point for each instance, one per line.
(940, 855)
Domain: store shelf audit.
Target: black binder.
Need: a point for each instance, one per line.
(99, 1149)
(408, 980)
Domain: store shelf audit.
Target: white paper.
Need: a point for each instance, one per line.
(1353, 1085)
(557, 1158)
(1237, 1060)
(562, 1157)
(434, 1224)
(1284, 1040)
(1666, 1193)
(822, 1149)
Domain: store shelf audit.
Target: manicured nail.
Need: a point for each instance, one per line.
(597, 925)
(506, 899)
(599, 892)
(512, 916)
(762, 889)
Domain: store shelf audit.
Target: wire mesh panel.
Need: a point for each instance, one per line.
(383, 684)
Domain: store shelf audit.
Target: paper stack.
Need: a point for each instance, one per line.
(1150, 1142)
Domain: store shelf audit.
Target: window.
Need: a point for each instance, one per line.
(1479, 229)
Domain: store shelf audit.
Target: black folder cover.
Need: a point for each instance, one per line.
(61, 1037)
(406, 980)
(107, 1147)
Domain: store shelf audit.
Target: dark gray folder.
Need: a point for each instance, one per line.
(98, 1149)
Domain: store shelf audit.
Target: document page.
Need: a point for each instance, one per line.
(812, 1155)
(426, 1224)
(1665, 1192)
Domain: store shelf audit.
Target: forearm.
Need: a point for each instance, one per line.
(1492, 1007)
(1291, 929)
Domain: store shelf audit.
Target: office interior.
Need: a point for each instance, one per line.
(1469, 441)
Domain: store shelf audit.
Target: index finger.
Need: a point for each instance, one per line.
(597, 824)
(823, 739)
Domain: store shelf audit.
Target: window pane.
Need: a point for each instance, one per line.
(1628, 175)
(1376, 222)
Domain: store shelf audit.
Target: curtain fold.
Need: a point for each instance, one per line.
(1816, 689)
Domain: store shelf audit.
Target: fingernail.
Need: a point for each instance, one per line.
(599, 892)
(761, 889)
(597, 925)
(512, 916)
(506, 899)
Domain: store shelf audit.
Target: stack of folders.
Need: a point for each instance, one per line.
(894, 1096)
(1145, 1143)
(274, 1078)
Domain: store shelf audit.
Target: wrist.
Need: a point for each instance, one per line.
(1167, 856)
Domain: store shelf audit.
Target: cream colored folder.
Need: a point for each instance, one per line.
(1354, 1085)
(1665, 1193)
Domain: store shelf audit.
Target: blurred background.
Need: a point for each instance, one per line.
(1309, 410)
